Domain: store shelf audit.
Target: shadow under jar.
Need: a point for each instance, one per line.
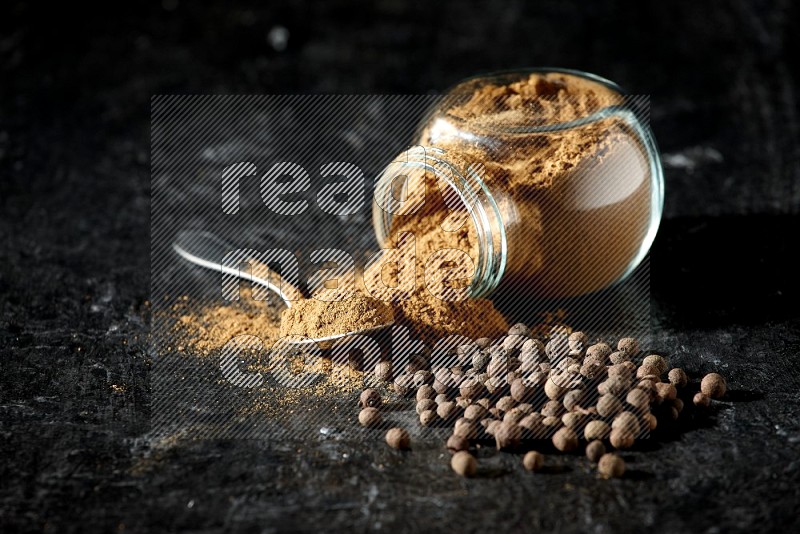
(550, 176)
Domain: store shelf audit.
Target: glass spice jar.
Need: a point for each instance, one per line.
(554, 170)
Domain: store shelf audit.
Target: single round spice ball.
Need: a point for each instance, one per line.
(369, 417)
(638, 399)
(425, 391)
(466, 428)
(677, 377)
(505, 403)
(507, 435)
(464, 464)
(398, 438)
(425, 405)
(428, 418)
(370, 399)
(611, 466)
(533, 461)
(627, 421)
(578, 342)
(383, 371)
(471, 388)
(619, 357)
(648, 372)
(520, 390)
(594, 450)
(608, 406)
(622, 438)
(599, 352)
(628, 345)
(447, 410)
(441, 397)
(596, 430)
(565, 440)
(457, 443)
(475, 412)
(659, 362)
(553, 390)
(519, 329)
(701, 400)
(713, 385)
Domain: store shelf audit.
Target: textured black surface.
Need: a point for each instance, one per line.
(74, 275)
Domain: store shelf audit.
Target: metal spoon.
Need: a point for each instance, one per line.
(207, 250)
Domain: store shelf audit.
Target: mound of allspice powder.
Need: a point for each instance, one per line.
(524, 395)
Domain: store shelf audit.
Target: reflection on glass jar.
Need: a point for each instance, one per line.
(548, 180)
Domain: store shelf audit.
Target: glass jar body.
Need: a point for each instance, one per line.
(563, 187)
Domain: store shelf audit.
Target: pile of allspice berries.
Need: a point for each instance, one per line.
(519, 392)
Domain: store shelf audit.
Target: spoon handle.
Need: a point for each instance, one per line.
(207, 250)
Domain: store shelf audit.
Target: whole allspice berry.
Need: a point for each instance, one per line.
(619, 357)
(370, 399)
(565, 439)
(425, 405)
(520, 390)
(629, 345)
(475, 412)
(596, 430)
(383, 371)
(608, 406)
(428, 418)
(457, 443)
(507, 435)
(553, 390)
(471, 388)
(713, 385)
(519, 329)
(701, 400)
(533, 461)
(398, 438)
(595, 450)
(611, 466)
(505, 403)
(659, 362)
(369, 417)
(648, 372)
(464, 464)
(627, 421)
(677, 377)
(447, 410)
(638, 399)
(622, 438)
(599, 352)
(578, 342)
(425, 391)
(466, 428)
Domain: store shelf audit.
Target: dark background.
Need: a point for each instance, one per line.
(76, 83)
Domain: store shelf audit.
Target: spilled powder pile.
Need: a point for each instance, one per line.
(316, 318)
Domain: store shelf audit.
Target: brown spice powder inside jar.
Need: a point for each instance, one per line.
(569, 172)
